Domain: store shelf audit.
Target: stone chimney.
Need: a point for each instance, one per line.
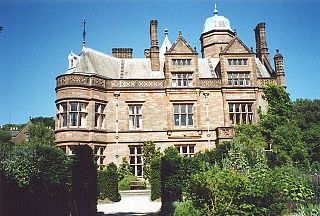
(154, 48)
(261, 42)
(278, 63)
(122, 53)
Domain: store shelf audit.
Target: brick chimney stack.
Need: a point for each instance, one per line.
(279, 68)
(154, 48)
(261, 42)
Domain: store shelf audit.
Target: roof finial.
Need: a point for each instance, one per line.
(215, 9)
(84, 32)
(166, 31)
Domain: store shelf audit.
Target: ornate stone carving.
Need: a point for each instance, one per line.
(71, 79)
(210, 83)
(265, 81)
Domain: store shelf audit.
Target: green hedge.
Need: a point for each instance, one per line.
(107, 183)
(124, 183)
(155, 178)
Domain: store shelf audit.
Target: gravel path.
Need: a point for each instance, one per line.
(130, 205)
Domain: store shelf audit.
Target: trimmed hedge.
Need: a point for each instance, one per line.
(155, 178)
(108, 183)
(124, 183)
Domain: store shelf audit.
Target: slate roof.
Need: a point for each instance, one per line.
(91, 62)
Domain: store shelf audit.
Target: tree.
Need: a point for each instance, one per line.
(149, 152)
(40, 133)
(5, 137)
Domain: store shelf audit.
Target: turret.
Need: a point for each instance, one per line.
(278, 62)
(154, 48)
(261, 42)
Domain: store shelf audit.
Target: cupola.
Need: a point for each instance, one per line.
(216, 22)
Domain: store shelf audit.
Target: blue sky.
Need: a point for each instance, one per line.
(39, 35)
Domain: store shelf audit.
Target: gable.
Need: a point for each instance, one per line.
(236, 46)
(181, 46)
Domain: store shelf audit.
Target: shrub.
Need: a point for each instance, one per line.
(155, 178)
(186, 208)
(108, 183)
(149, 152)
(124, 169)
(124, 183)
(84, 181)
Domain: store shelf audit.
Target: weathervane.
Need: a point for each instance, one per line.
(84, 32)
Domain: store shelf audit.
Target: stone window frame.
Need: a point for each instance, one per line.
(136, 160)
(186, 150)
(99, 115)
(180, 113)
(182, 79)
(236, 79)
(241, 112)
(64, 114)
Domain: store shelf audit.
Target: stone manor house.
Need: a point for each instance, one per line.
(172, 97)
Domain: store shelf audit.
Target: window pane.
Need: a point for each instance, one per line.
(139, 150)
(138, 121)
(176, 120)
(64, 120)
(237, 107)
(139, 170)
(138, 111)
(249, 107)
(178, 148)
(183, 108)
(191, 149)
(131, 150)
(243, 107)
(96, 107)
(237, 118)
(190, 120)
(74, 106)
(64, 107)
(183, 120)
(176, 108)
(189, 108)
(132, 160)
(184, 149)
(131, 121)
(185, 83)
(230, 107)
(244, 118)
(82, 107)
(179, 82)
(131, 110)
(139, 160)
(231, 118)
(73, 119)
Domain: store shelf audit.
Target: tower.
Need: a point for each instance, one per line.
(261, 42)
(278, 63)
(216, 35)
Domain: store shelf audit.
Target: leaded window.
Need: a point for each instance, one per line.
(186, 150)
(240, 113)
(183, 115)
(135, 116)
(135, 159)
(99, 115)
(181, 79)
(238, 79)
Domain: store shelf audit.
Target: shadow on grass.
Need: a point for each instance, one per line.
(128, 214)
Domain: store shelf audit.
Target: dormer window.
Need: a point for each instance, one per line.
(73, 60)
(181, 62)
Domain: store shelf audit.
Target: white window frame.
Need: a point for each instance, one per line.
(183, 112)
(99, 154)
(99, 115)
(135, 116)
(181, 79)
(238, 78)
(186, 150)
(136, 160)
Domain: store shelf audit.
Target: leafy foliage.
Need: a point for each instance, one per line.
(124, 169)
(40, 133)
(149, 152)
(155, 178)
(108, 183)
(124, 183)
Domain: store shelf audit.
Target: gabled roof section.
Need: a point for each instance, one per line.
(236, 46)
(181, 46)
